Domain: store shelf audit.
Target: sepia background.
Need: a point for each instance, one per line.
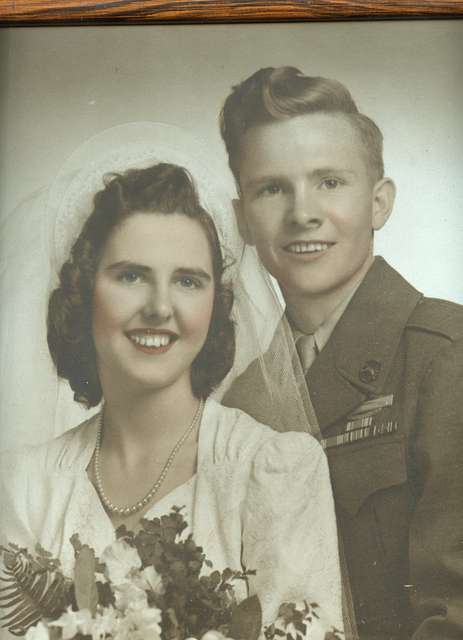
(60, 86)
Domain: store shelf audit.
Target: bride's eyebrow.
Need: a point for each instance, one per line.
(125, 264)
(193, 271)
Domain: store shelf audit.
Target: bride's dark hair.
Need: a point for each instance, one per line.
(162, 188)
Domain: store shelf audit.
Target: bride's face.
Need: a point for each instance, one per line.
(153, 300)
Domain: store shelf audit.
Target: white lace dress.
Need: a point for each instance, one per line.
(260, 500)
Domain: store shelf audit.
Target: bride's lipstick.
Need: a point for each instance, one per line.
(152, 341)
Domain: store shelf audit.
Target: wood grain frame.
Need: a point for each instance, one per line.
(88, 12)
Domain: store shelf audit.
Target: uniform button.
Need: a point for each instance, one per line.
(370, 371)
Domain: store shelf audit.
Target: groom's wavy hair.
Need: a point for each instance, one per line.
(275, 94)
(164, 189)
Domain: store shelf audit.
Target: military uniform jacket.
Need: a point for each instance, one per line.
(388, 393)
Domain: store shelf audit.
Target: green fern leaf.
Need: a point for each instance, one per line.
(33, 590)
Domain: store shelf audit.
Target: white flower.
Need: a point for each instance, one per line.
(39, 632)
(104, 623)
(129, 595)
(73, 622)
(121, 560)
(139, 624)
(213, 635)
(148, 621)
(151, 579)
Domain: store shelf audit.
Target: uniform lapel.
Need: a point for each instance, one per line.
(355, 362)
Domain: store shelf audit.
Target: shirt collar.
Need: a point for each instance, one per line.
(324, 331)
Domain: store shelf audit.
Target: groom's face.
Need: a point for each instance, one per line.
(308, 202)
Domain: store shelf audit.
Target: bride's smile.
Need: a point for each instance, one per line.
(152, 341)
(153, 299)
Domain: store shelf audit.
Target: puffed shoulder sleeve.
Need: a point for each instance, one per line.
(289, 527)
(34, 490)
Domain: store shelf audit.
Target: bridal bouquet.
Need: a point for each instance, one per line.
(145, 586)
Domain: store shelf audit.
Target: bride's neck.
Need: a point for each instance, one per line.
(137, 423)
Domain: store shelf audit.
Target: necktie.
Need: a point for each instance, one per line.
(307, 350)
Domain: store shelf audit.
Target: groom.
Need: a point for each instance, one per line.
(384, 365)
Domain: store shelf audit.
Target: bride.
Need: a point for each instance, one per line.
(141, 322)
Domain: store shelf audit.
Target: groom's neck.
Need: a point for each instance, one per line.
(308, 312)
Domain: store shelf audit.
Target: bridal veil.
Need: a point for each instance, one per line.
(36, 405)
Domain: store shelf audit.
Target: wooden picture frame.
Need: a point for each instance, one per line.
(78, 12)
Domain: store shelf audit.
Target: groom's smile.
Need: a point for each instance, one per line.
(304, 249)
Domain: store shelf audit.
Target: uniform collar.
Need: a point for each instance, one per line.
(356, 361)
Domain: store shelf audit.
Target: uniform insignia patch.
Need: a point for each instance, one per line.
(359, 423)
(362, 424)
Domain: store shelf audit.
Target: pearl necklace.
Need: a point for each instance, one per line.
(130, 509)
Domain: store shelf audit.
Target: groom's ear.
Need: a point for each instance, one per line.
(242, 221)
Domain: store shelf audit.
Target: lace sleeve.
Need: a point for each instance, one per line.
(289, 528)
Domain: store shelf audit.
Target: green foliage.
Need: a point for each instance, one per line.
(191, 603)
(291, 622)
(35, 588)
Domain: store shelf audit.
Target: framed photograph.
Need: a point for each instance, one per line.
(75, 75)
